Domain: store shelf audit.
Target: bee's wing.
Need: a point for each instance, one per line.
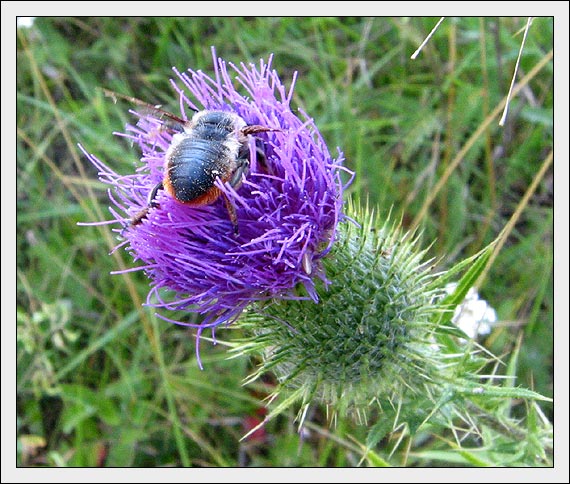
(176, 123)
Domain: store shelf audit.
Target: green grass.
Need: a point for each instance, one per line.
(102, 381)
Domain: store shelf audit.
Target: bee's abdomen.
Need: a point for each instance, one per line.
(192, 169)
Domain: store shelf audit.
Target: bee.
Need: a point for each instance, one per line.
(211, 145)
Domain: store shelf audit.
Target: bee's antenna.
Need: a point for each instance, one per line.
(255, 128)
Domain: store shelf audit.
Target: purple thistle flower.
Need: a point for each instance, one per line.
(288, 205)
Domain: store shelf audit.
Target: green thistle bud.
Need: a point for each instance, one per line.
(369, 339)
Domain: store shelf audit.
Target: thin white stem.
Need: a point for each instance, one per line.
(504, 117)
(415, 54)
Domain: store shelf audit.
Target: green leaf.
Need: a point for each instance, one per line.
(73, 415)
(461, 457)
(86, 403)
(477, 264)
(501, 392)
(382, 428)
(375, 460)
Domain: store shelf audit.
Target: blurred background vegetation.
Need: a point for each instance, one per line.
(101, 381)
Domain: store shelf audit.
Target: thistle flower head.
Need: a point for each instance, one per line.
(288, 206)
(370, 338)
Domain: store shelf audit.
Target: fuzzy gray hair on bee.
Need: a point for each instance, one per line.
(212, 145)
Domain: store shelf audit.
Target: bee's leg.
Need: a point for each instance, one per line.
(232, 213)
(141, 215)
(241, 169)
(152, 195)
(262, 160)
(252, 130)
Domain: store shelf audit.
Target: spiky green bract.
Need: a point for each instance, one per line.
(371, 335)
